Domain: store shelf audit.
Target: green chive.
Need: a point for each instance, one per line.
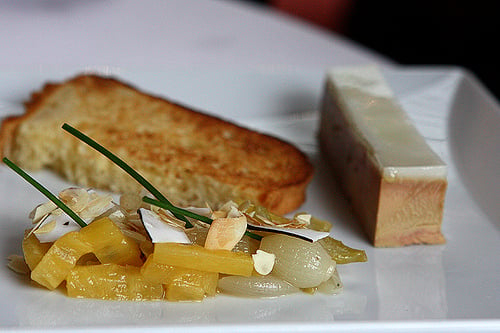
(45, 192)
(172, 208)
(125, 167)
(178, 210)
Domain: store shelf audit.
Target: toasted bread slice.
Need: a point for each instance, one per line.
(191, 157)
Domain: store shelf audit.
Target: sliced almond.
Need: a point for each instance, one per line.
(218, 214)
(75, 197)
(263, 262)
(225, 233)
(304, 219)
(42, 210)
(17, 264)
(95, 207)
(46, 227)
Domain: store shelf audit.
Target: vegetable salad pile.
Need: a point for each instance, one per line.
(132, 250)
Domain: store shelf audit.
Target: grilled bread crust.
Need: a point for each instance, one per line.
(191, 157)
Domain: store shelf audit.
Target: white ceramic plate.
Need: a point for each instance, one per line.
(453, 287)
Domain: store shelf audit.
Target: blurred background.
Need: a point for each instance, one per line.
(441, 32)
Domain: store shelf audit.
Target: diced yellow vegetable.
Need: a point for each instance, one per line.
(197, 257)
(110, 245)
(182, 284)
(179, 291)
(102, 237)
(59, 260)
(341, 253)
(111, 282)
(155, 272)
(33, 250)
(207, 281)
(88, 259)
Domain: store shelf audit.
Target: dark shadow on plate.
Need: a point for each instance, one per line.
(297, 102)
(474, 138)
(12, 244)
(12, 239)
(330, 196)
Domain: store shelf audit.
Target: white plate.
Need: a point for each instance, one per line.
(453, 287)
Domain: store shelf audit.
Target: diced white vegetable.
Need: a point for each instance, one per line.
(255, 286)
(331, 286)
(303, 264)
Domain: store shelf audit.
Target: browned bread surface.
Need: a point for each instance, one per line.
(191, 157)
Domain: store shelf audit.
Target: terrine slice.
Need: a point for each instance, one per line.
(393, 180)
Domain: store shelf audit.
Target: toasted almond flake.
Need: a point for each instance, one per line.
(303, 233)
(134, 223)
(116, 214)
(46, 227)
(154, 209)
(228, 205)
(52, 222)
(95, 207)
(205, 211)
(75, 197)
(167, 216)
(233, 212)
(41, 211)
(303, 218)
(263, 262)
(225, 233)
(218, 214)
(138, 237)
(57, 212)
(38, 224)
(17, 264)
(131, 202)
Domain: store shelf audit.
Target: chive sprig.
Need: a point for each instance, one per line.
(45, 192)
(177, 210)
